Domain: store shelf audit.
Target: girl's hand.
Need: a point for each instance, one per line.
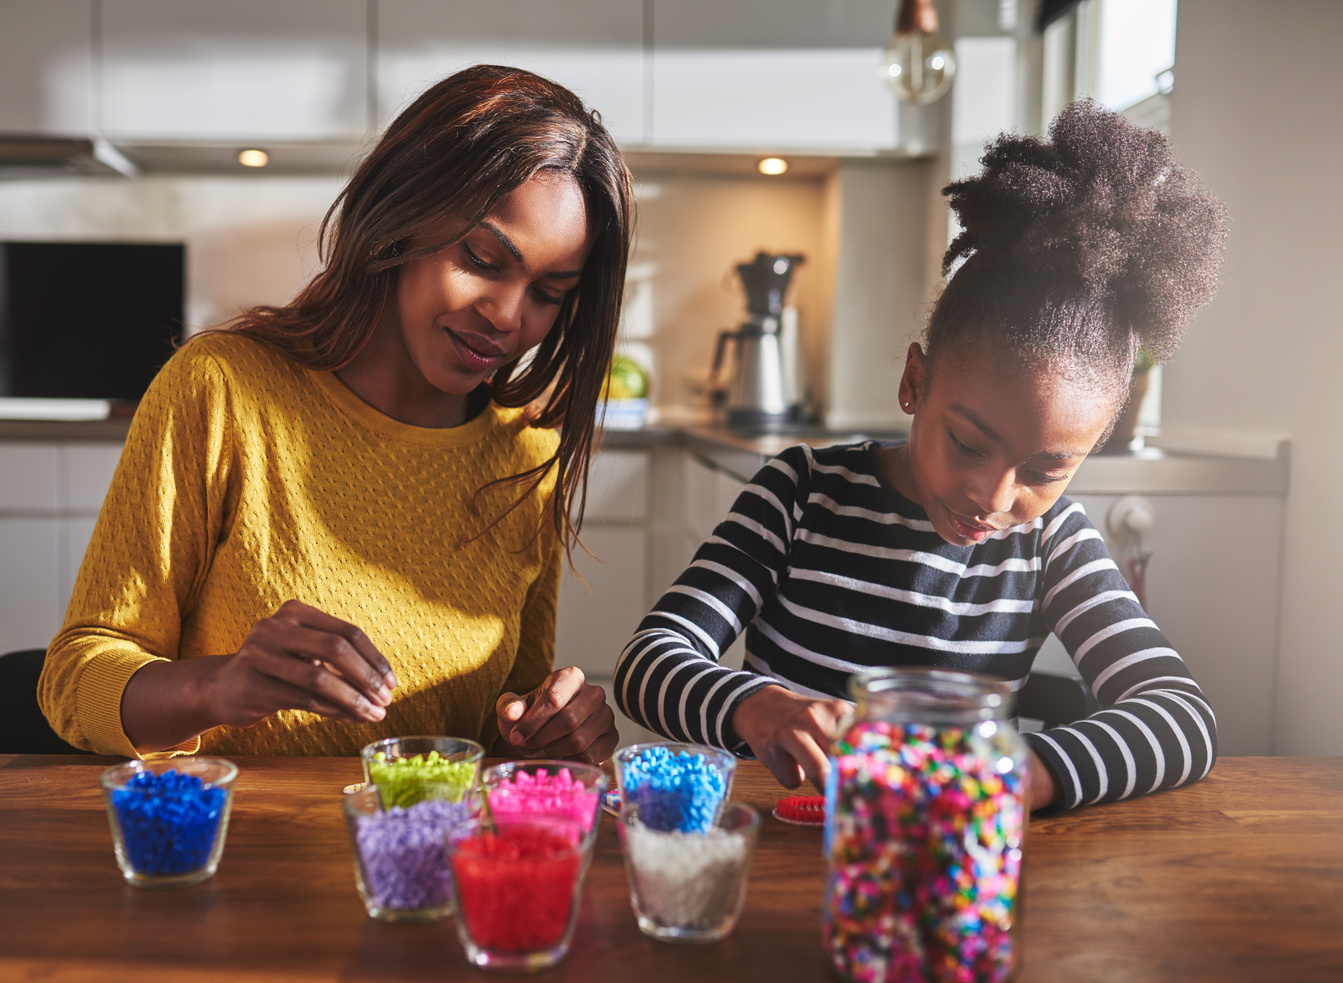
(1043, 787)
(564, 717)
(301, 658)
(790, 733)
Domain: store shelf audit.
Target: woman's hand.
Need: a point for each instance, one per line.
(564, 717)
(300, 658)
(790, 733)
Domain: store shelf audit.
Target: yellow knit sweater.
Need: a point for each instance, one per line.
(248, 480)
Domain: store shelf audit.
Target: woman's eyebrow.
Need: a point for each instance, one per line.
(516, 253)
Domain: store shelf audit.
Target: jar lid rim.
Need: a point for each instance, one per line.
(927, 684)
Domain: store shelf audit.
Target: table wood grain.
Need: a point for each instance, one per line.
(1239, 877)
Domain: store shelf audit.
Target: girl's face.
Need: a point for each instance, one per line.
(991, 445)
(466, 310)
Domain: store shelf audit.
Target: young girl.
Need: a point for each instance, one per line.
(955, 549)
(343, 519)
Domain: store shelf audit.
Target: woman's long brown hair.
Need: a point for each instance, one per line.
(455, 152)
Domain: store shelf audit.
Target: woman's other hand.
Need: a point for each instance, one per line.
(300, 658)
(790, 733)
(564, 717)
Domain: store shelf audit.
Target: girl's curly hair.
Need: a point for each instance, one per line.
(1081, 250)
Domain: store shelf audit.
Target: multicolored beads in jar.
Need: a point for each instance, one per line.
(924, 832)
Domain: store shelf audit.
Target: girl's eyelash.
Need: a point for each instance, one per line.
(546, 298)
(964, 448)
(1044, 479)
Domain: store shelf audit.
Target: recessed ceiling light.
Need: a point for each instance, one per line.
(772, 166)
(253, 158)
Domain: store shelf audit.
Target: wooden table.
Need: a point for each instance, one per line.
(1239, 877)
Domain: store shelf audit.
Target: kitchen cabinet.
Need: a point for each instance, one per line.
(594, 47)
(771, 74)
(288, 70)
(50, 496)
(46, 67)
(605, 594)
(708, 492)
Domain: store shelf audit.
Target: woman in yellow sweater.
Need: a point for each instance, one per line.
(343, 519)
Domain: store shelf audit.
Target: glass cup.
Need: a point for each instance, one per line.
(689, 887)
(517, 883)
(400, 855)
(400, 766)
(169, 818)
(539, 787)
(676, 786)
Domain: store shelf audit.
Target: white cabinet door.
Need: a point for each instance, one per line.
(236, 70)
(29, 478)
(618, 487)
(771, 73)
(594, 47)
(598, 617)
(46, 66)
(88, 469)
(75, 537)
(30, 610)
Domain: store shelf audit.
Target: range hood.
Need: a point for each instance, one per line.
(46, 156)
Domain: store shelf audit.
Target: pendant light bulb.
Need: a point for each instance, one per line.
(918, 64)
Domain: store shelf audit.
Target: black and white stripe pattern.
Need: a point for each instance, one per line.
(830, 571)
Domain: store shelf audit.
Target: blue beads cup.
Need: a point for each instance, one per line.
(676, 786)
(169, 818)
(401, 865)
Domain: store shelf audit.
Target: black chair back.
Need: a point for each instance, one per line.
(23, 728)
(1055, 700)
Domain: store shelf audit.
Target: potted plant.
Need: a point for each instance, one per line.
(1127, 424)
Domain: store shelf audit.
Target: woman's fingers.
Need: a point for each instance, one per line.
(304, 659)
(345, 645)
(564, 717)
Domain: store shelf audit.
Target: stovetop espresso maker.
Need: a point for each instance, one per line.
(762, 388)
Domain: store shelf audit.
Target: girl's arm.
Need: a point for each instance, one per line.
(669, 678)
(1155, 729)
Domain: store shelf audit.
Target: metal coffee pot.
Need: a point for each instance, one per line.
(762, 387)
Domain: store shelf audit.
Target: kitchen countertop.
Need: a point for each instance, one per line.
(1150, 471)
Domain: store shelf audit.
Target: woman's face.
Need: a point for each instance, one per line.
(469, 309)
(992, 445)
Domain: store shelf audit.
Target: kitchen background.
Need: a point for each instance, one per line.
(698, 91)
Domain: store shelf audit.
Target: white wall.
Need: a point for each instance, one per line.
(1257, 111)
(692, 231)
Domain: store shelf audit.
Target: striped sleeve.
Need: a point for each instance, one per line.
(1155, 729)
(669, 677)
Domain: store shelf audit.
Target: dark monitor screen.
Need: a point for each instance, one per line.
(87, 320)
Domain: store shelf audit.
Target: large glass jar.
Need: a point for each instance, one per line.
(925, 817)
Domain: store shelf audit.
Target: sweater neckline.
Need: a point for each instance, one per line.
(366, 416)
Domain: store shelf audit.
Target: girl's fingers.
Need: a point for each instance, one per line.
(810, 758)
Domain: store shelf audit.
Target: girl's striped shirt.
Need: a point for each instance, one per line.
(829, 571)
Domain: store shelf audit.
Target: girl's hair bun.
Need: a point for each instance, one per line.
(1104, 205)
